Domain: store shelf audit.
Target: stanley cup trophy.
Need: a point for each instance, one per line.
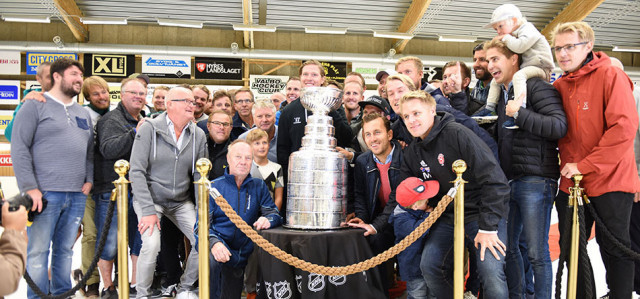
(316, 189)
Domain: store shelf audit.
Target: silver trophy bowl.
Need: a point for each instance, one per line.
(317, 185)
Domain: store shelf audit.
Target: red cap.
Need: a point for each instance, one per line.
(414, 189)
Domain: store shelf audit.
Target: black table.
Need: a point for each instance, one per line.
(278, 280)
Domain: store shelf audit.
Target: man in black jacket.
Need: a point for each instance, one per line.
(529, 159)
(219, 126)
(439, 141)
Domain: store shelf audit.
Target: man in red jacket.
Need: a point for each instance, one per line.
(598, 101)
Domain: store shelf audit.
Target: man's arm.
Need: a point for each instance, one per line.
(546, 118)
(25, 125)
(359, 189)
(284, 141)
(115, 139)
(86, 188)
(343, 130)
(139, 166)
(13, 249)
(268, 209)
(527, 37)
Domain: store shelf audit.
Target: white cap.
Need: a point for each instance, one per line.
(504, 12)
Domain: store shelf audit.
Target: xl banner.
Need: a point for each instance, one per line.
(335, 70)
(167, 66)
(9, 63)
(34, 59)
(218, 68)
(266, 85)
(109, 65)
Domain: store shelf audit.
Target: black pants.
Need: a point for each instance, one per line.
(634, 232)
(614, 208)
(171, 247)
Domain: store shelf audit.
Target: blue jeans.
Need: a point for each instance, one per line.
(417, 289)
(59, 224)
(437, 261)
(225, 282)
(110, 247)
(530, 214)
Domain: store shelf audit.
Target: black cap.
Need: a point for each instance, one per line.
(377, 101)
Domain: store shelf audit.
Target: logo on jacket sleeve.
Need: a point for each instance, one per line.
(441, 159)
(425, 169)
(586, 106)
(296, 120)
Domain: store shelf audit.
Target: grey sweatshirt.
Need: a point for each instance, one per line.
(52, 146)
(534, 48)
(161, 173)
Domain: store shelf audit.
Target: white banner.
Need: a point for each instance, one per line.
(10, 92)
(369, 71)
(265, 86)
(9, 63)
(167, 66)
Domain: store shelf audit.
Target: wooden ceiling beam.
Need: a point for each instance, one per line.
(576, 11)
(276, 68)
(410, 21)
(71, 14)
(247, 19)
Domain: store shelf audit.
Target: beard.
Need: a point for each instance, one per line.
(68, 89)
(485, 75)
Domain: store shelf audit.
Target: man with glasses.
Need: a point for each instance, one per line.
(115, 133)
(163, 161)
(219, 126)
(598, 100)
(242, 120)
(264, 116)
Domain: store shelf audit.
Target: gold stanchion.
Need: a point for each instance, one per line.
(122, 194)
(459, 167)
(203, 166)
(575, 199)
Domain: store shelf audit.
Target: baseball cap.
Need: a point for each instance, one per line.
(378, 102)
(414, 189)
(504, 12)
(389, 72)
(140, 76)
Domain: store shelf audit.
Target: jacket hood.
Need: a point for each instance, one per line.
(600, 59)
(440, 121)
(159, 125)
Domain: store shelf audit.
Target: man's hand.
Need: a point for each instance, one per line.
(490, 241)
(35, 95)
(147, 222)
(499, 37)
(16, 220)
(220, 252)
(262, 223)
(514, 105)
(369, 230)
(86, 188)
(569, 170)
(455, 80)
(36, 196)
(636, 197)
(347, 154)
(140, 122)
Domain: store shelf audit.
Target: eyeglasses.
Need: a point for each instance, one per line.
(568, 48)
(244, 101)
(217, 123)
(189, 102)
(133, 93)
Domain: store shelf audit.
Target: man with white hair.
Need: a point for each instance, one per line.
(264, 117)
(163, 160)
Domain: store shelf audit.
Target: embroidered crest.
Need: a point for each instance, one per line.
(338, 280)
(316, 282)
(586, 106)
(425, 169)
(282, 290)
(267, 286)
(299, 283)
(441, 159)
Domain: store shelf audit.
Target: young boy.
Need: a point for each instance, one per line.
(412, 196)
(523, 38)
(271, 173)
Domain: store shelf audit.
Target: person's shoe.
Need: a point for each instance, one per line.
(187, 295)
(132, 290)
(170, 292)
(109, 293)
(484, 112)
(606, 296)
(93, 291)
(469, 295)
(510, 124)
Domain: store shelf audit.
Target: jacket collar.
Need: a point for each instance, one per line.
(232, 178)
(395, 157)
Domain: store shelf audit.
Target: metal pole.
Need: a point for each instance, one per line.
(575, 198)
(203, 166)
(459, 167)
(122, 194)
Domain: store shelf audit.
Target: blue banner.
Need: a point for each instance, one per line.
(34, 59)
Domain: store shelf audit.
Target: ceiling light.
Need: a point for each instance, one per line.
(26, 18)
(103, 20)
(251, 27)
(625, 49)
(396, 35)
(325, 30)
(457, 38)
(179, 23)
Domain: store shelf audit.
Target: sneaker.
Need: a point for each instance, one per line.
(484, 112)
(606, 296)
(510, 124)
(170, 291)
(132, 290)
(187, 295)
(109, 293)
(93, 291)
(469, 295)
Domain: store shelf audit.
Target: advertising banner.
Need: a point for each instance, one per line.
(36, 58)
(9, 63)
(167, 66)
(109, 65)
(218, 68)
(9, 92)
(266, 85)
(5, 118)
(335, 70)
(369, 71)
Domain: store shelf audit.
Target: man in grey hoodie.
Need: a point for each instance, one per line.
(162, 173)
